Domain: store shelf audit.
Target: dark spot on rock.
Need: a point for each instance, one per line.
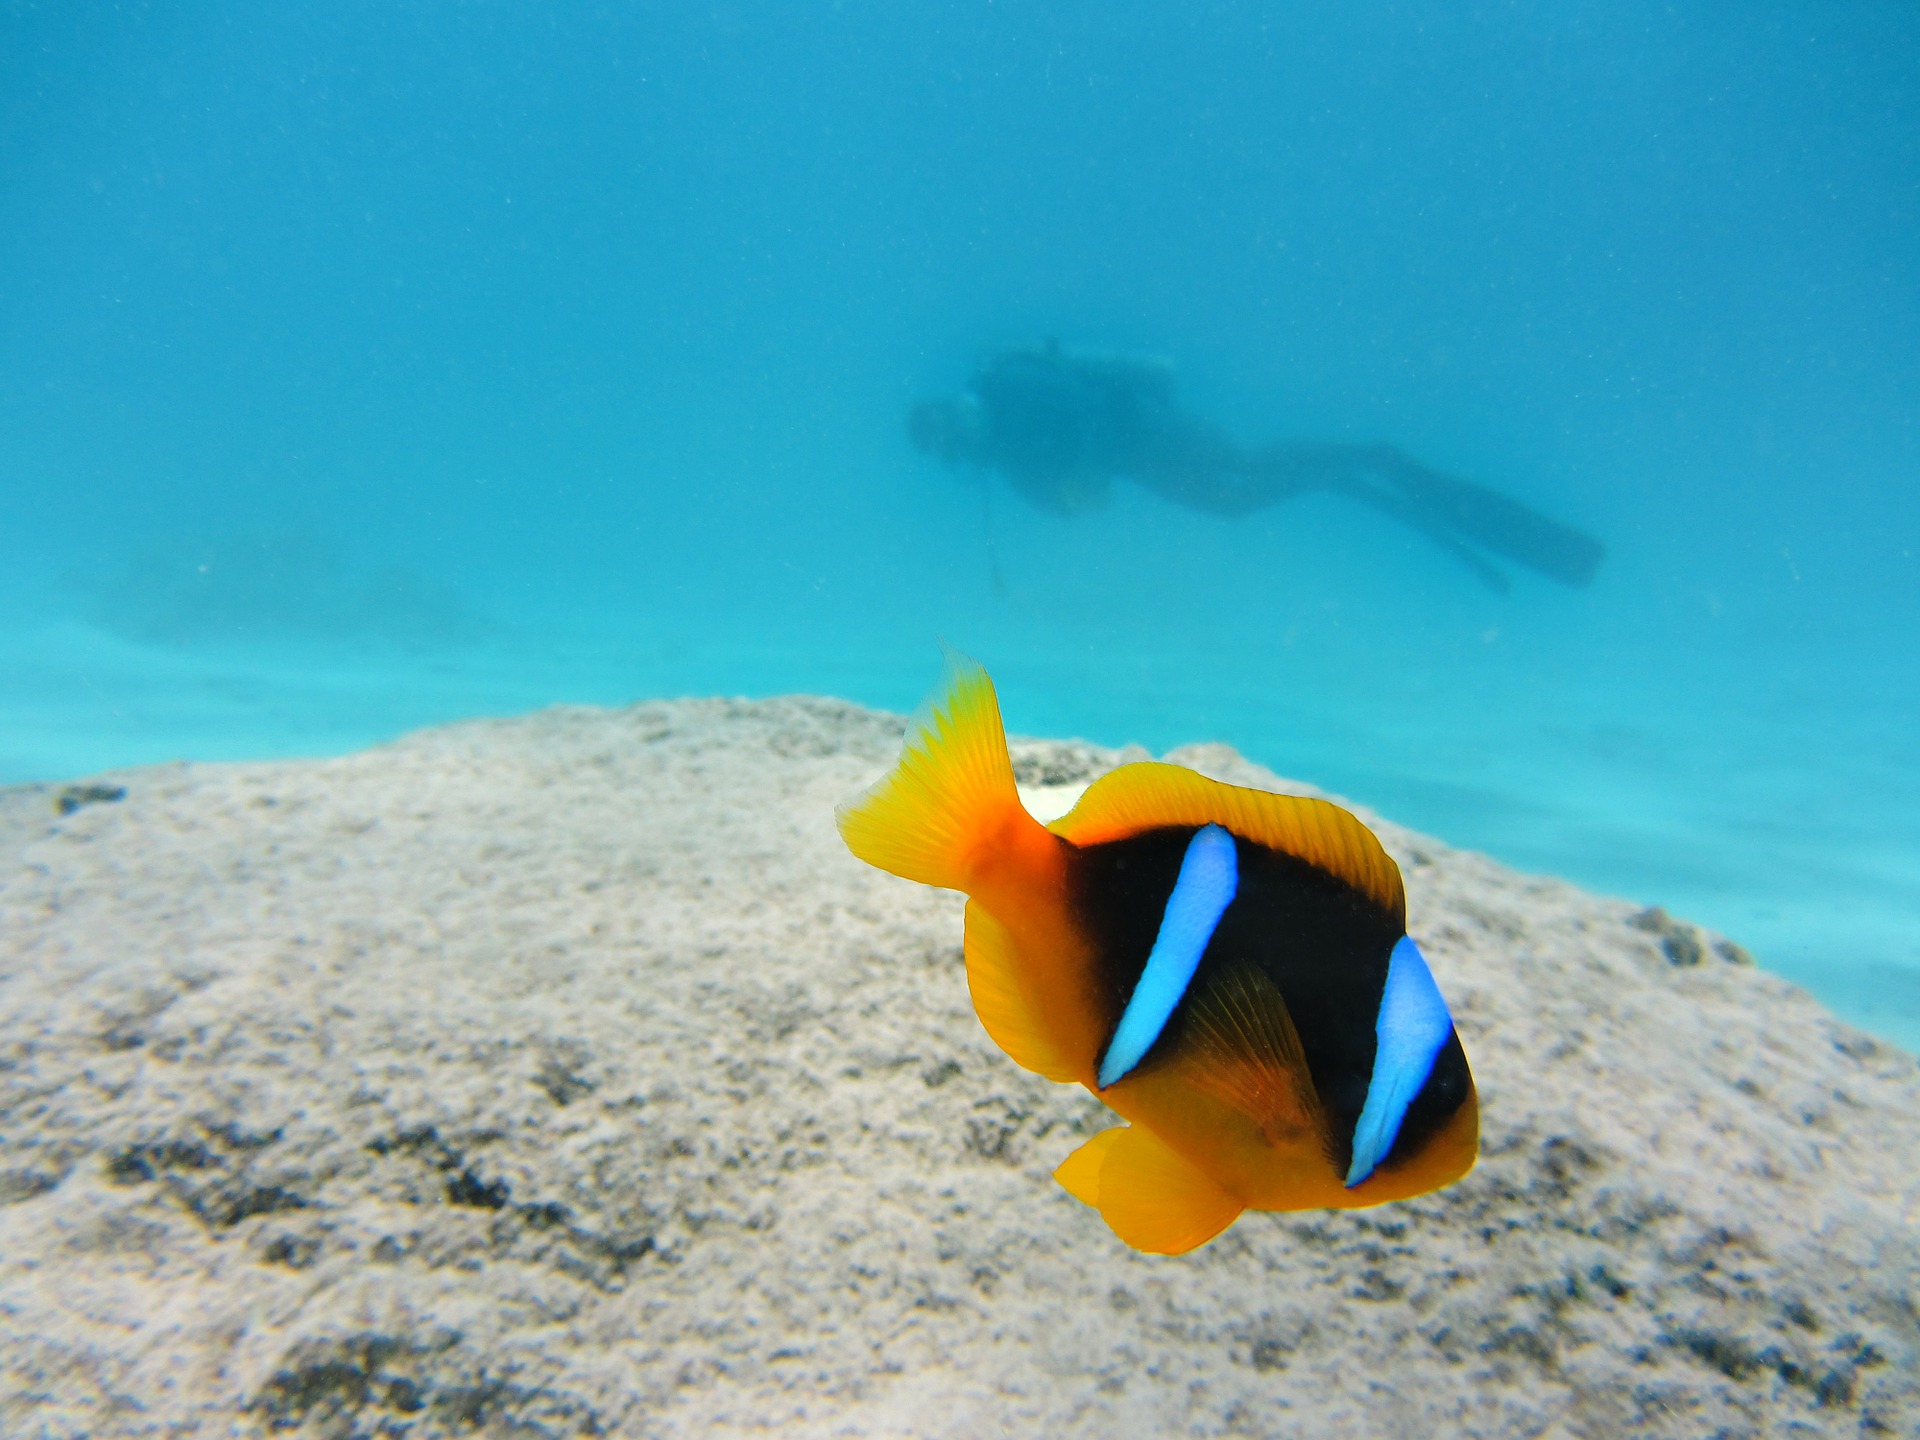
(544, 1216)
(1268, 1354)
(234, 1137)
(618, 1251)
(1855, 1044)
(938, 1075)
(137, 1164)
(1376, 1285)
(73, 797)
(1679, 941)
(1055, 764)
(335, 1378)
(375, 1385)
(230, 1210)
(561, 1081)
(1797, 1312)
(473, 1406)
(1565, 1163)
(470, 1190)
(1523, 1340)
(217, 1193)
(423, 1140)
(129, 1167)
(1732, 1356)
(1685, 945)
(1609, 1282)
(296, 1252)
(1834, 1388)
(992, 1129)
(19, 1185)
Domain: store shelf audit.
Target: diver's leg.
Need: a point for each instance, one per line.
(1414, 518)
(1486, 517)
(1275, 472)
(1199, 467)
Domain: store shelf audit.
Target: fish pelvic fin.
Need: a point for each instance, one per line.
(1154, 1199)
(948, 809)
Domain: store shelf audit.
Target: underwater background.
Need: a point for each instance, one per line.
(368, 366)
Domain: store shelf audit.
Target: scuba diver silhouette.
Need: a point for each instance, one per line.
(1062, 424)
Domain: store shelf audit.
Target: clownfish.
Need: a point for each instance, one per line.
(1227, 969)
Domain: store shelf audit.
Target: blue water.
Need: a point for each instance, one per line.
(364, 366)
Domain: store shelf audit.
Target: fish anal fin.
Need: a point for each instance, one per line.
(1154, 1199)
(1003, 1003)
(1151, 794)
(1244, 1049)
(1079, 1173)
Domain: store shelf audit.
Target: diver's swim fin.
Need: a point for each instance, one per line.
(1495, 521)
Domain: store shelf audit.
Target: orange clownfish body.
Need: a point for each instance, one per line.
(1226, 968)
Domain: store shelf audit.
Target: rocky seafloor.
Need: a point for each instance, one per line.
(564, 1076)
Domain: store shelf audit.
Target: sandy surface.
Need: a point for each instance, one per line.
(564, 1076)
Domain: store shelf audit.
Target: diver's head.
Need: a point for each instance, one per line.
(951, 430)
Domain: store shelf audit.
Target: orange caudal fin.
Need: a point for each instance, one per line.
(1153, 1198)
(950, 803)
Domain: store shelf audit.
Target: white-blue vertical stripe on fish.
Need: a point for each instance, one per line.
(1412, 1026)
(1209, 876)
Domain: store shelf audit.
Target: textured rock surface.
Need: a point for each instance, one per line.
(563, 1076)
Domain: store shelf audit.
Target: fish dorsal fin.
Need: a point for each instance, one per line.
(1151, 794)
(1002, 1002)
(1245, 1050)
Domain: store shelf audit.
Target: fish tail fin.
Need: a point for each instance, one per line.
(941, 810)
(1153, 1198)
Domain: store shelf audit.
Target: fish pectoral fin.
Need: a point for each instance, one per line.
(1153, 1198)
(1247, 1052)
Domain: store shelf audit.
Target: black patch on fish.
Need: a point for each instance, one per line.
(1118, 891)
(1322, 943)
(1438, 1102)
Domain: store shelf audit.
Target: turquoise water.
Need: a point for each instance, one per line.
(379, 365)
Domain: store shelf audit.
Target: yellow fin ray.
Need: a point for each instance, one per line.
(1150, 794)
